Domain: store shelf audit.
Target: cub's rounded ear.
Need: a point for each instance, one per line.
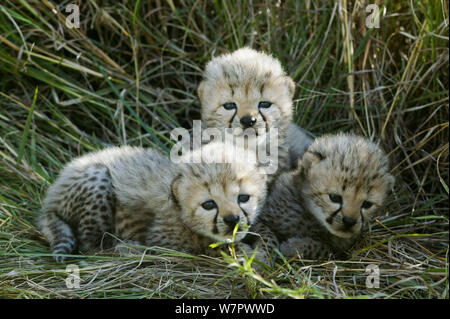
(310, 158)
(298, 169)
(175, 189)
(298, 166)
(290, 86)
(200, 90)
(390, 180)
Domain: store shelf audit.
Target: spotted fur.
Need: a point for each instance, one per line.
(139, 195)
(248, 86)
(321, 208)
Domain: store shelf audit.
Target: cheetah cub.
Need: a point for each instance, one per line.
(139, 195)
(248, 91)
(323, 206)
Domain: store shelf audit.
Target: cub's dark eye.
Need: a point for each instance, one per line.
(264, 105)
(210, 204)
(243, 198)
(335, 198)
(366, 204)
(229, 106)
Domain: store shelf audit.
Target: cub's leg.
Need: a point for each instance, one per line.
(79, 209)
(305, 247)
(58, 233)
(263, 240)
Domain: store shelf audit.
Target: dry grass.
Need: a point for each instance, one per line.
(129, 75)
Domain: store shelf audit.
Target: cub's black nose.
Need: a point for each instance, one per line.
(349, 222)
(248, 121)
(231, 220)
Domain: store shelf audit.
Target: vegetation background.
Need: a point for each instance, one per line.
(128, 75)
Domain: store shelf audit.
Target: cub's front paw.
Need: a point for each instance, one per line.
(260, 254)
(297, 246)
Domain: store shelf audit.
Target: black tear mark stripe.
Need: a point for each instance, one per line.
(235, 112)
(264, 119)
(262, 115)
(232, 118)
(246, 215)
(331, 217)
(215, 229)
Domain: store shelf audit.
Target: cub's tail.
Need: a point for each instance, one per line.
(58, 233)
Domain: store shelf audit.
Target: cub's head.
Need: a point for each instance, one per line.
(214, 197)
(344, 179)
(246, 90)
